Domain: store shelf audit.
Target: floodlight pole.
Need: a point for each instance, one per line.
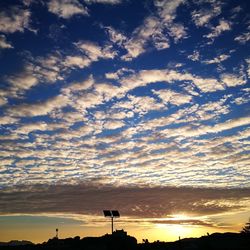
(112, 224)
(112, 214)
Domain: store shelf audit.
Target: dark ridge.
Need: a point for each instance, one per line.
(119, 240)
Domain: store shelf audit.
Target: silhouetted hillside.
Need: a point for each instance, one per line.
(216, 241)
(16, 243)
(121, 241)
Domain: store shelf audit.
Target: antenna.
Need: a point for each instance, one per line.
(112, 214)
(57, 233)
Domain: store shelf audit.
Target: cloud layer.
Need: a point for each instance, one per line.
(144, 202)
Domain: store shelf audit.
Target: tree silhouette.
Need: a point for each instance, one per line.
(246, 228)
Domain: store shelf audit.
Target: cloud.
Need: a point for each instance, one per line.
(46, 69)
(141, 202)
(38, 109)
(236, 9)
(170, 96)
(234, 123)
(87, 94)
(145, 151)
(119, 73)
(167, 12)
(195, 56)
(150, 30)
(77, 87)
(8, 120)
(188, 131)
(95, 52)
(121, 115)
(4, 43)
(219, 29)
(208, 84)
(144, 104)
(54, 67)
(150, 127)
(115, 36)
(145, 77)
(28, 2)
(3, 101)
(208, 111)
(14, 19)
(177, 31)
(212, 110)
(22, 81)
(167, 9)
(139, 104)
(182, 222)
(248, 67)
(113, 75)
(241, 100)
(114, 124)
(113, 2)
(217, 59)
(107, 91)
(38, 126)
(67, 8)
(77, 61)
(114, 114)
(202, 16)
(232, 80)
(243, 38)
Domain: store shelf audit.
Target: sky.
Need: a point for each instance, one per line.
(138, 106)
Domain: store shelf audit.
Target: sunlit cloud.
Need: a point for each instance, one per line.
(219, 29)
(94, 51)
(195, 56)
(232, 80)
(77, 61)
(145, 77)
(67, 8)
(4, 44)
(103, 1)
(203, 15)
(243, 38)
(38, 109)
(218, 59)
(173, 97)
(150, 30)
(14, 19)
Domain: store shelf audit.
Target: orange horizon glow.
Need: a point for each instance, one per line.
(41, 232)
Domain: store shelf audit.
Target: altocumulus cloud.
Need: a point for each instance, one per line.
(14, 19)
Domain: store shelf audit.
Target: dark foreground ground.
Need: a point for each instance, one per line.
(217, 241)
